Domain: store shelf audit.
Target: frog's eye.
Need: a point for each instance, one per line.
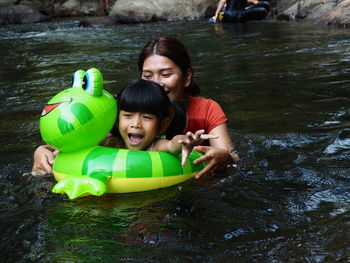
(93, 82)
(77, 79)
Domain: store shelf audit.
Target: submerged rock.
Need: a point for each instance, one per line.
(100, 21)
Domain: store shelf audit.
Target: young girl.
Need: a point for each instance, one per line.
(143, 117)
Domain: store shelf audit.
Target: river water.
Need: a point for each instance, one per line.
(285, 89)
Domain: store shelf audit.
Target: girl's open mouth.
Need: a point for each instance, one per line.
(135, 139)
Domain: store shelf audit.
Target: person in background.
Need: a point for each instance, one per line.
(234, 4)
(105, 4)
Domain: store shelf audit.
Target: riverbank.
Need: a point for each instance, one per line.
(140, 11)
(125, 11)
(36, 11)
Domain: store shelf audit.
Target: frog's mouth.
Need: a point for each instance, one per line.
(50, 107)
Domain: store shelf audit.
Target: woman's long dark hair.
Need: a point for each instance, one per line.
(174, 50)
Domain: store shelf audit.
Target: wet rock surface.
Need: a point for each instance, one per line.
(329, 12)
(140, 11)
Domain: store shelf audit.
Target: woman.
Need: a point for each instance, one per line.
(165, 60)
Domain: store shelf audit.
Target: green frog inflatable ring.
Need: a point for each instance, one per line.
(75, 120)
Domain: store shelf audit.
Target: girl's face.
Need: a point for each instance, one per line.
(137, 129)
(167, 74)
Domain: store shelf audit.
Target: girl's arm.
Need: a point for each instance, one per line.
(183, 144)
(221, 151)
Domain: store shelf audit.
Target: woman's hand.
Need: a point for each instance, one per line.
(190, 140)
(219, 153)
(215, 158)
(44, 157)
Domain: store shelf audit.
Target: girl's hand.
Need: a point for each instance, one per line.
(190, 141)
(44, 157)
(215, 158)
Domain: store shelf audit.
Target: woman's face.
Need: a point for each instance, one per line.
(167, 74)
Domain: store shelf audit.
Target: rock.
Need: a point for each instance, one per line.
(285, 4)
(135, 11)
(44, 7)
(79, 8)
(126, 11)
(340, 14)
(68, 8)
(330, 11)
(7, 2)
(284, 17)
(21, 14)
(101, 21)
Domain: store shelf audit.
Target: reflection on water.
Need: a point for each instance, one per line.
(285, 90)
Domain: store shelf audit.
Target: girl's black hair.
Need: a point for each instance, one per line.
(149, 97)
(144, 96)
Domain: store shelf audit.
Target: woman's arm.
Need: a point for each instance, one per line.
(220, 152)
(44, 157)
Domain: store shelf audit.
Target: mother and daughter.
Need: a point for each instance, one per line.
(164, 102)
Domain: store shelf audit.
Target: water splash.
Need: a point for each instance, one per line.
(342, 142)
